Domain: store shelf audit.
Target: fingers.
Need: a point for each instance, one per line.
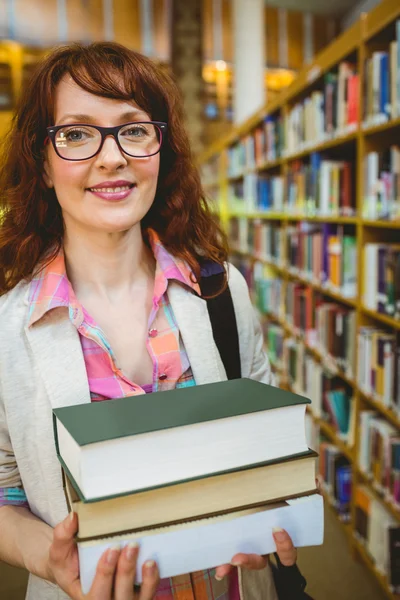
(126, 571)
(63, 539)
(249, 561)
(150, 580)
(284, 547)
(222, 571)
(103, 581)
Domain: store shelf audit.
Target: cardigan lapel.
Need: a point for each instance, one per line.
(191, 315)
(57, 351)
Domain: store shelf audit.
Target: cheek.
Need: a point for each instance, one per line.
(148, 170)
(69, 174)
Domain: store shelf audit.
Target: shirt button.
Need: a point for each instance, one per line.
(153, 333)
(163, 376)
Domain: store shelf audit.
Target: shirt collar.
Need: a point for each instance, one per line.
(51, 288)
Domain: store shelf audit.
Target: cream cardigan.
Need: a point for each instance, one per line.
(42, 367)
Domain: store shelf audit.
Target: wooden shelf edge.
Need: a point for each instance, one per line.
(340, 140)
(369, 483)
(370, 564)
(390, 415)
(381, 317)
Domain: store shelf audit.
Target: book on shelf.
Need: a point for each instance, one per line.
(179, 432)
(205, 543)
(382, 82)
(335, 327)
(379, 455)
(259, 146)
(331, 398)
(6, 87)
(336, 472)
(382, 278)
(327, 112)
(274, 337)
(379, 366)
(325, 254)
(268, 289)
(375, 528)
(321, 187)
(382, 184)
(256, 192)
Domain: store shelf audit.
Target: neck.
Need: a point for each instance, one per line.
(107, 265)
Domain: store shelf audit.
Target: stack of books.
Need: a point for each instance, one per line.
(195, 475)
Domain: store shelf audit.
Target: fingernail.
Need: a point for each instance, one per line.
(112, 555)
(218, 578)
(71, 516)
(149, 564)
(130, 550)
(236, 563)
(279, 534)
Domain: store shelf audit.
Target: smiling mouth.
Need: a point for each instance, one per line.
(111, 190)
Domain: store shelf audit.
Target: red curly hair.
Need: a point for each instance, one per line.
(31, 231)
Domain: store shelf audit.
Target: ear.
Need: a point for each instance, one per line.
(47, 174)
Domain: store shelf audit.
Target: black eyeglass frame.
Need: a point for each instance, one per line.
(105, 132)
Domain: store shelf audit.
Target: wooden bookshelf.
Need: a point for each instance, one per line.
(355, 45)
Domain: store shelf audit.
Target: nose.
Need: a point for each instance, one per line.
(110, 156)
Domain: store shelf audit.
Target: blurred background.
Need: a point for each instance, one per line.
(230, 58)
(199, 40)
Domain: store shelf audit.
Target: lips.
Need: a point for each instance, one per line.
(112, 186)
(112, 190)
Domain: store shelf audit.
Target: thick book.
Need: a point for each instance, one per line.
(245, 488)
(138, 443)
(207, 543)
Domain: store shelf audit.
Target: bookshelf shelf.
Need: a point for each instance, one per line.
(382, 224)
(326, 291)
(386, 412)
(328, 219)
(370, 564)
(374, 129)
(361, 166)
(269, 216)
(340, 140)
(332, 435)
(265, 166)
(395, 512)
(382, 318)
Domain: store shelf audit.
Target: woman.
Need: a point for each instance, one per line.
(104, 231)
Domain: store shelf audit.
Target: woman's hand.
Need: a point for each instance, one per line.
(284, 547)
(115, 573)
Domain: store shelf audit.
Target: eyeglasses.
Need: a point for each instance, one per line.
(80, 142)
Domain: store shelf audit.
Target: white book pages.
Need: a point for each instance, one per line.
(211, 542)
(117, 466)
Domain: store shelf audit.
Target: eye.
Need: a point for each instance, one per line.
(75, 135)
(136, 131)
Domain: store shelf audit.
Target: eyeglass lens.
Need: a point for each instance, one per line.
(78, 142)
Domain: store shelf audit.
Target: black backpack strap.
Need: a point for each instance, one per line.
(223, 319)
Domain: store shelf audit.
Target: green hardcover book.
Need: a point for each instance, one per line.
(138, 443)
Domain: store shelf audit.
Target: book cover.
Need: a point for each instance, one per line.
(117, 418)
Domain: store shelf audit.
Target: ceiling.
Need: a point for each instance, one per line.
(322, 7)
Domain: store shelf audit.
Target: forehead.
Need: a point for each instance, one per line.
(71, 99)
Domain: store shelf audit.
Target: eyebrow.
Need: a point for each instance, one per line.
(81, 118)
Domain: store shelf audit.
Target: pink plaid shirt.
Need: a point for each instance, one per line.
(171, 369)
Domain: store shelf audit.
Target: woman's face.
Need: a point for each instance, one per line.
(73, 182)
